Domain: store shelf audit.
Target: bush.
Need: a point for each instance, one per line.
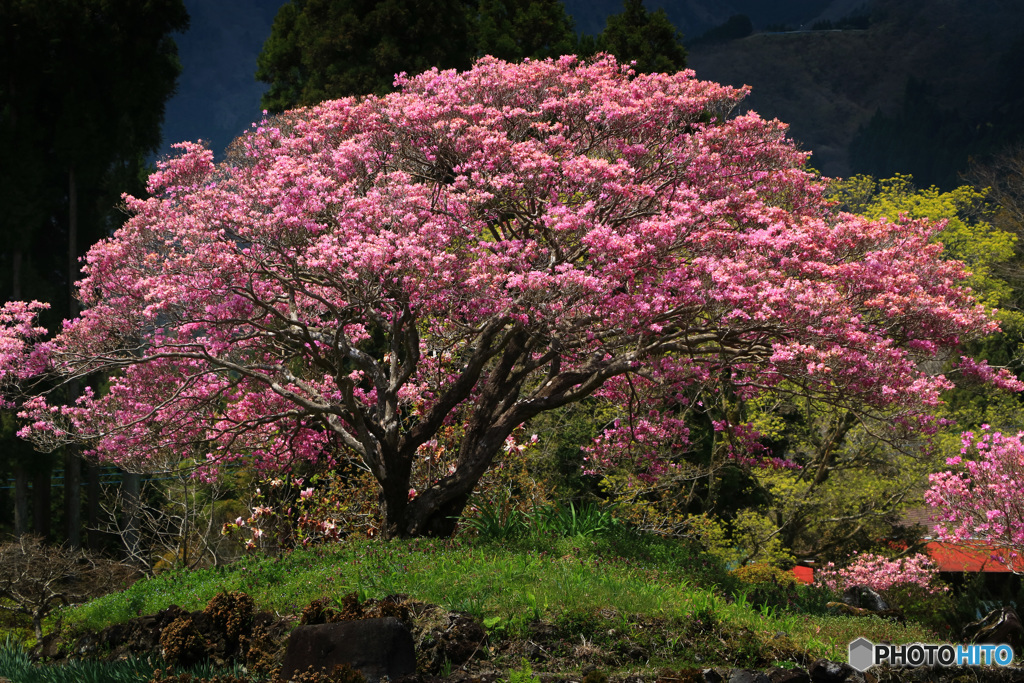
(928, 607)
(770, 587)
(35, 578)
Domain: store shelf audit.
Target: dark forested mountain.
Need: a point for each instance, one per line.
(923, 87)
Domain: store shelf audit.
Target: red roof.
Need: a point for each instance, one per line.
(804, 574)
(951, 557)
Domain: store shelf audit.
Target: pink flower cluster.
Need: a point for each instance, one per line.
(980, 500)
(881, 573)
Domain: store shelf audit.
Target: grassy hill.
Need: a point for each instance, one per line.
(621, 603)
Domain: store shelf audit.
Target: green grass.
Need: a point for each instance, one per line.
(600, 584)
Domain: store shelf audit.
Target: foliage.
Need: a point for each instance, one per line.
(647, 38)
(502, 521)
(524, 674)
(372, 271)
(922, 137)
(84, 89)
(767, 588)
(762, 572)
(910, 584)
(965, 235)
(979, 500)
(81, 108)
(851, 478)
(735, 27)
(495, 521)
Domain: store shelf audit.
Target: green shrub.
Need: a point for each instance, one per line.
(760, 572)
(932, 609)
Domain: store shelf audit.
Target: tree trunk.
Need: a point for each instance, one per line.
(20, 500)
(92, 514)
(72, 461)
(37, 625)
(41, 500)
(131, 485)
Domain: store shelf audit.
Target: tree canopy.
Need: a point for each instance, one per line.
(371, 276)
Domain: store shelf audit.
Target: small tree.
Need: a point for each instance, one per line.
(473, 251)
(35, 578)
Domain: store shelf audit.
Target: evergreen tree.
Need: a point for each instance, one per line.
(81, 106)
(323, 49)
(514, 29)
(648, 38)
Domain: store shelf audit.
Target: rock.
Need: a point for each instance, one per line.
(865, 598)
(997, 627)
(747, 676)
(376, 647)
(824, 671)
(779, 675)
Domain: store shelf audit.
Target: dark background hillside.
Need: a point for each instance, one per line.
(922, 88)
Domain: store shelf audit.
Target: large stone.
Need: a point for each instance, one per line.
(747, 676)
(865, 598)
(997, 627)
(780, 675)
(376, 647)
(824, 671)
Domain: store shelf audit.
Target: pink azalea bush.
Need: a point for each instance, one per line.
(881, 573)
(473, 250)
(979, 500)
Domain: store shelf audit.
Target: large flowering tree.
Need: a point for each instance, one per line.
(471, 251)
